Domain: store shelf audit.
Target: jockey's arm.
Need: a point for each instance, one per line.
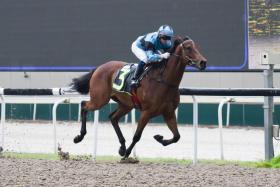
(152, 56)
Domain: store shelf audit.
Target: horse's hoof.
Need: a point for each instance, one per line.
(123, 158)
(129, 160)
(78, 139)
(122, 151)
(158, 138)
(164, 143)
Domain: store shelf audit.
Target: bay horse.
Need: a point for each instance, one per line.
(158, 93)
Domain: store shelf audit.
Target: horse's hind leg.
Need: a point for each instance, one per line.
(170, 119)
(83, 131)
(85, 107)
(114, 117)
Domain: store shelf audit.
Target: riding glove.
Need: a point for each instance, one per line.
(165, 55)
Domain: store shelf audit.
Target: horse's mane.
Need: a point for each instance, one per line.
(177, 41)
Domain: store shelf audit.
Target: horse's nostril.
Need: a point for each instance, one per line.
(203, 62)
(203, 65)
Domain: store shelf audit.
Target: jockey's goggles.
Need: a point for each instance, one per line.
(165, 37)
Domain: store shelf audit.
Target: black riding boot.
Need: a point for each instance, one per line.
(137, 73)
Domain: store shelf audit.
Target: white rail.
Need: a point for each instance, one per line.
(56, 100)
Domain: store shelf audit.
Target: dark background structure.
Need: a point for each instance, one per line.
(79, 35)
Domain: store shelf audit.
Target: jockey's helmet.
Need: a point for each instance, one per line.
(165, 30)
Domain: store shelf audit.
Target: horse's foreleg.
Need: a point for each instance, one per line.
(170, 119)
(137, 135)
(114, 117)
(83, 131)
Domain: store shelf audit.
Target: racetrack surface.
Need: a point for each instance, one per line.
(18, 172)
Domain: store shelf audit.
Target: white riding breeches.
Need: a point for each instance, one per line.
(139, 53)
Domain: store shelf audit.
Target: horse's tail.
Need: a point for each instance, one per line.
(81, 84)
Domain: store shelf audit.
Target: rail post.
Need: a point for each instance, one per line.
(268, 115)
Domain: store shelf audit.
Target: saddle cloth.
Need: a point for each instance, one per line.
(123, 78)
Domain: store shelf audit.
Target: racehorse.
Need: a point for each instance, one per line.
(158, 93)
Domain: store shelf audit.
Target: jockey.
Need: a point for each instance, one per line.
(147, 49)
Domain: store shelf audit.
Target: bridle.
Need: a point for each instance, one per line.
(185, 57)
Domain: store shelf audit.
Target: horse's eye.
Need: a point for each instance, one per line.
(188, 48)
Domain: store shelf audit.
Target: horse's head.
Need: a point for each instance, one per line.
(187, 50)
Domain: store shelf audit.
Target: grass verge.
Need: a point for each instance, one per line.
(273, 163)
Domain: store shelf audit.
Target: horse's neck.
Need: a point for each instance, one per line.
(174, 71)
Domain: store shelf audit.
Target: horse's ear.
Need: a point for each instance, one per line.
(177, 40)
(187, 38)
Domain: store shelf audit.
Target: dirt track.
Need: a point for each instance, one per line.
(17, 172)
